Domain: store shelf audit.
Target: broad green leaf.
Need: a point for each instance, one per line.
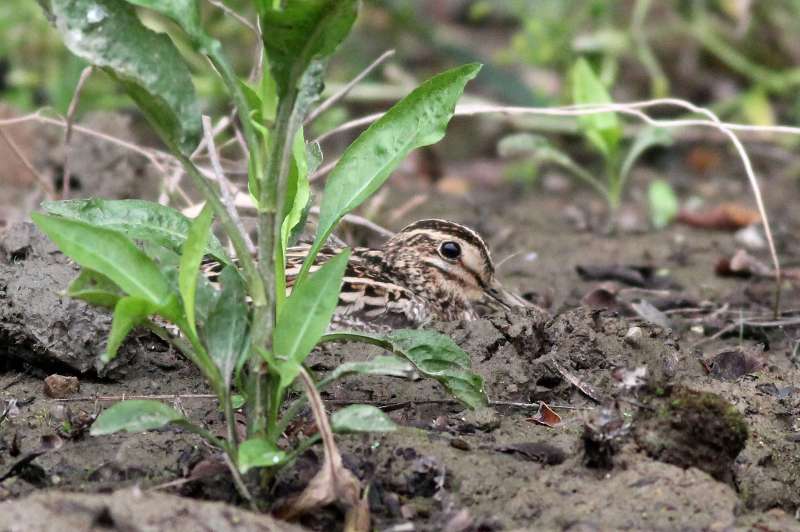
(128, 313)
(298, 191)
(108, 34)
(168, 262)
(361, 418)
(95, 288)
(434, 355)
(136, 219)
(389, 366)
(646, 139)
(419, 119)
(191, 257)
(186, 13)
(134, 416)
(663, 203)
(306, 315)
(111, 254)
(301, 32)
(259, 452)
(603, 130)
(227, 325)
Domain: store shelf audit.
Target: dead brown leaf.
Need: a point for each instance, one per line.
(742, 264)
(333, 482)
(546, 416)
(725, 217)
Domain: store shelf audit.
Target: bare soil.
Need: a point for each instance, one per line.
(664, 426)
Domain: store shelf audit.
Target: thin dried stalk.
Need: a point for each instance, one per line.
(224, 185)
(330, 102)
(46, 185)
(73, 107)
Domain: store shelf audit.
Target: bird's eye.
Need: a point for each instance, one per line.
(450, 250)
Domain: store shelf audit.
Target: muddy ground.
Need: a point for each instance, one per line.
(685, 424)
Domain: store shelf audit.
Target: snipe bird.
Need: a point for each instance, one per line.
(431, 270)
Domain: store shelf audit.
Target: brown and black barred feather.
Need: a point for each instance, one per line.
(408, 282)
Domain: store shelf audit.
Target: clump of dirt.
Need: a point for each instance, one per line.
(38, 324)
(689, 428)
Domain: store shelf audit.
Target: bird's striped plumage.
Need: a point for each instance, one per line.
(431, 270)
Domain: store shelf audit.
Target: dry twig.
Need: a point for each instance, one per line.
(46, 185)
(73, 107)
(330, 102)
(225, 186)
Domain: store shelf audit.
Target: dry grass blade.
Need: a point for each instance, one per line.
(73, 107)
(334, 482)
(46, 185)
(225, 186)
(330, 102)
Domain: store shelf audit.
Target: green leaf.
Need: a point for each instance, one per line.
(95, 288)
(419, 119)
(306, 314)
(298, 193)
(108, 34)
(603, 130)
(128, 313)
(136, 219)
(226, 329)
(134, 416)
(389, 366)
(186, 13)
(301, 32)
(259, 452)
(169, 263)
(361, 418)
(191, 257)
(646, 139)
(434, 355)
(663, 203)
(519, 144)
(111, 254)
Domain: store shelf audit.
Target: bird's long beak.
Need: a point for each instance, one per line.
(497, 297)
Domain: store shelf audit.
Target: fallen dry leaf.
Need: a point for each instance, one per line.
(730, 365)
(333, 482)
(725, 217)
(546, 416)
(742, 264)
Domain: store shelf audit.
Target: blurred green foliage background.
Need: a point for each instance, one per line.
(740, 57)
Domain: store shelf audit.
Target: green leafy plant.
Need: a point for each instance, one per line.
(143, 259)
(603, 132)
(663, 202)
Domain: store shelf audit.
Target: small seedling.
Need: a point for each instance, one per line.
(603, 132)
(143, 259)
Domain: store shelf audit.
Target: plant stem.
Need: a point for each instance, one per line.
(254, 281)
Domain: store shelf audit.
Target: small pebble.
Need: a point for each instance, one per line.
(483, 419)
(60, 386)
(634, 336)
(460, 444)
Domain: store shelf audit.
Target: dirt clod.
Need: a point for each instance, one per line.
(38, 324)
(58, 386)
(692, 429)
